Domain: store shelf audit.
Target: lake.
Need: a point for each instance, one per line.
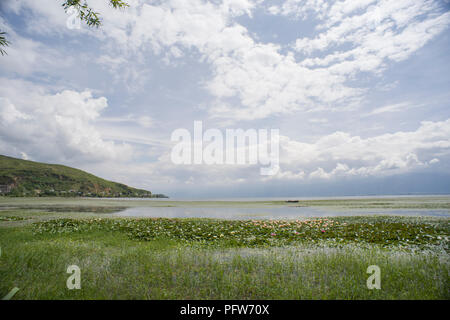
(268, 212)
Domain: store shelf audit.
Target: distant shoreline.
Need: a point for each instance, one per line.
(245, 199)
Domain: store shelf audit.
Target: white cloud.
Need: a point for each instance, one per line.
(9, 113)
(132, 119)
(433, 161)
(285, 175)
(319, 173)
(133, 76)
(390, 30)
(333, 156)
(300, 8)
(396, 107)
(318, 120)
(251, 79)
(26, 56)
(56, 126)
(44, 16)
(386, 154)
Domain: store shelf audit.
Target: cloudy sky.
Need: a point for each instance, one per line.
(359, 90)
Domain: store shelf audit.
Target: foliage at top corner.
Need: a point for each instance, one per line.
(87, 14)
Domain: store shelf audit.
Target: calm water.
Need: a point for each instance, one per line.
(244, 199)
(269, 212)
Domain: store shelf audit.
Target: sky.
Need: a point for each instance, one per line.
(358, 89)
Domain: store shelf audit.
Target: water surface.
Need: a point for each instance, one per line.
(286, 212)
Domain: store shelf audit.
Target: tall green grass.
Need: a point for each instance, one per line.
(181, 259)
(116, 267)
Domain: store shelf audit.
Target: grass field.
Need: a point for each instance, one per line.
(138, 258)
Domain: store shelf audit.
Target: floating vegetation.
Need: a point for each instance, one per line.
(253, 233)
(11, 218)
(93, 209)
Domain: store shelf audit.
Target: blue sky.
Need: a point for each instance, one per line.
(358, 89)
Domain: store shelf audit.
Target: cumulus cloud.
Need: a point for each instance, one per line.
(251, 79)
(386, 154)
(247, 79)
(334, 156)
(57, 126)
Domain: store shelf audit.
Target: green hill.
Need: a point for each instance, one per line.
(28, 178)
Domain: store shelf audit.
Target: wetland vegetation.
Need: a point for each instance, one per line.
(161, 258)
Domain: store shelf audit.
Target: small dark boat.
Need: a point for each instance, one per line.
(292, 201)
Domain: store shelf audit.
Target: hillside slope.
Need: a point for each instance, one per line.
(28, 178)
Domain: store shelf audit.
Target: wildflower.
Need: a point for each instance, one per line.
(273, 234)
